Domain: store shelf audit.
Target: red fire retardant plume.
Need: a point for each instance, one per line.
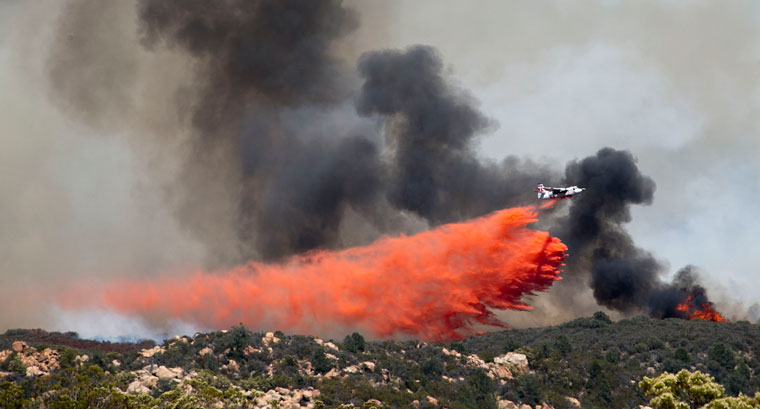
(435, 285)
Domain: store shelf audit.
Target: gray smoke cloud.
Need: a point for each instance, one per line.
(262, 129)
(77, 200)
(432, 127)
(258, 66)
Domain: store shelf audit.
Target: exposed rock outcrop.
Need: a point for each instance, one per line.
(520, 361)
(507, 404)
(287, 398)
(149, 352)
(19, 346)
(37, 363)
(502, 367)
(269, 338)
(575, 402)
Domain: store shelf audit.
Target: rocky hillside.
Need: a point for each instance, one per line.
(590, 362)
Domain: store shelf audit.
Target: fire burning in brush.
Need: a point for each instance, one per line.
(435, 285)
(696, 306)
(682, 298)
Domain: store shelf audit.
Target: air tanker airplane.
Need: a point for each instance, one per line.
(558, 192)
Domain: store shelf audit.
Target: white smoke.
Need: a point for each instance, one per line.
(108, 325)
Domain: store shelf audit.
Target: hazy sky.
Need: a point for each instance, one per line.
(674, 82)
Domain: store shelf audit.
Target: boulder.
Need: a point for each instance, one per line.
(507, 404)
(205, 351)
(27, 360)
(475, 360)
(4, 355)
(34, 371)
(332, 373)
(164, 373)
(282, 391)
(368, 366)
(233, 366)
(575, 402)
(80, 359)
(500, 371)
(270, 338)
(19, 346)
(520, 361)
(137, 387)
(373, 403)
(307, 394)
(48, 359)
(178, 372)
(149, 352)
(149, 381)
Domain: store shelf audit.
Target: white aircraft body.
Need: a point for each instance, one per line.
(558, 192)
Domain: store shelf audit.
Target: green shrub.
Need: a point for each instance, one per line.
(354, 342)
(320, 363)
(562, 345)
(14, 364)
(11, 396)
(432, 368)
(602, 317)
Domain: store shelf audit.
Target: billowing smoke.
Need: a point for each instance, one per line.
(621, 274)
(257, 63)
(623, 277)
(431, 127)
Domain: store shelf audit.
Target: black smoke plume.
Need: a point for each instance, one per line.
(622, 276)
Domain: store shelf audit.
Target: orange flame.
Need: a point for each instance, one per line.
(704, 311)
(435, 285)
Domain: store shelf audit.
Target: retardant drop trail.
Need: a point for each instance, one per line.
(435, 285)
